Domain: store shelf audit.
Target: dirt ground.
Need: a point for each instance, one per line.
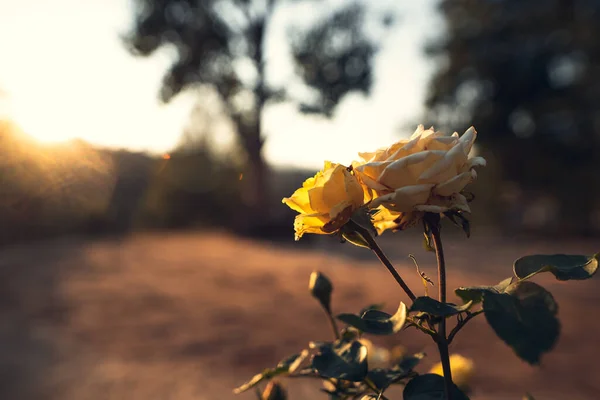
(190, 316)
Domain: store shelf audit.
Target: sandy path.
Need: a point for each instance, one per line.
(189, 316)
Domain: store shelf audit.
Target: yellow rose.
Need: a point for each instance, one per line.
(461, 368)
(425, 173)
(327, 201)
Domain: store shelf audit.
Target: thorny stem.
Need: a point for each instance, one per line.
(385, 261)
(442, 341)
(461, 324)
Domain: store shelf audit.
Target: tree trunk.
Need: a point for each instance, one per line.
(255, 188)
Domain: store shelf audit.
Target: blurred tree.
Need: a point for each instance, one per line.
(525, 75)
(222, 44)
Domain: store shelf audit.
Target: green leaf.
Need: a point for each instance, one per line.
(524, 318)
(342, 360)
(410, 362)
(380, 378)
(377, 322)
(528, 397)
(292, 363)
(320, 287)
(475, 293)
(363, 217)
(360, 221)
(563, 266)
(459, 220)
(355, 238)
(378, 306)
(285, 366)
(256, 379)
(434, 307)
(383, 378)
(430, 387)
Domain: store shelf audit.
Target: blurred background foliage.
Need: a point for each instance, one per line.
(522, 73)
(525, 75)
(221, 45)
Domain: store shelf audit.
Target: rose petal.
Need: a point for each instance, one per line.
(443, 143)
(431, 208)
(444, 169)
(403, 150)
(418, 132)
(459, 202)
(317, 203)
(370, 182)
(299, 201)
(334, 190)
(309, 224)
(405, 199)
(373, 169)
(467, 139)
(477, 162)
(384, 199)
(455, 184)
(354, 190)
(406, 171)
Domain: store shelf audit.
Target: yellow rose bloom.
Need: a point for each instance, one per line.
(326, 201)
(424, 173)
(461, 367)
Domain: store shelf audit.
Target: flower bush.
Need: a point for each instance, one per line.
(421, 179)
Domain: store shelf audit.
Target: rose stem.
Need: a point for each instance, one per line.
(385, 261)
(442, 341)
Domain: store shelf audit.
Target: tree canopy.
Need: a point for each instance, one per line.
(524, 74)
(222, 44)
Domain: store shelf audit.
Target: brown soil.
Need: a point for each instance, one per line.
(190, 316)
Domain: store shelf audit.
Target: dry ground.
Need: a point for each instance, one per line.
(189, 316)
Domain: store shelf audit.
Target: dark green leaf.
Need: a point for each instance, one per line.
(430, 387)
(363, 217)
(292, 363)
(380, 378)
(383, 378)
(475, 293)
(355, 238)
(459, 220)
(320, 287)
(528, 397)
(256, 379)
(286, 366)
(377, 322)
(524, 318)
(349, 334)
(410, 362)
(371, 307)
(342, 360)
(563, 266)
(434, 307)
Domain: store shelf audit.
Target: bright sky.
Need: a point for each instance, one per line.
(66, 74)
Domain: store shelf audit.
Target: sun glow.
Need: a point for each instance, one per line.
(78, 81)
